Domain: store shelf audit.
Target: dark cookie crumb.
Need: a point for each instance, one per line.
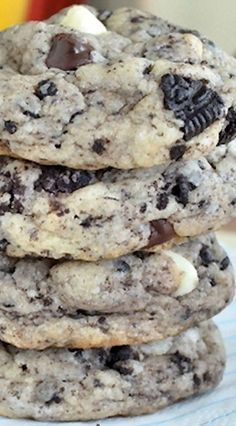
(177, 151)
(54, 400)
(206, 256)
(45, 88)
(10, 126)
(143, 208)
(183, 363)
(191, 101)
(162, 201)
(224, 263)
(122, 266)
(99, 145)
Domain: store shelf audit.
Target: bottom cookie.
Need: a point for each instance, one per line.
(69, 384)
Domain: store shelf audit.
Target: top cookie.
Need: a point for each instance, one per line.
(125, 89)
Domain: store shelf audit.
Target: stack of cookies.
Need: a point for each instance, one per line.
(118, 160)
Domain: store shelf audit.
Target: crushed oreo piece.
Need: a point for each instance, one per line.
(56, 179)
(229, 132)
(68, 52)
(181, 189)
(45, 88)
(183, 362)
(122, 266)
(191, 101)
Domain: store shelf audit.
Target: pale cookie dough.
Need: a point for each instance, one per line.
(58, 212)
(136, 92)
(64, 385)
(133, 299)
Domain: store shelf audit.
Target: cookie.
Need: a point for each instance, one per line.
(59, 212)
(133, 299)
(137, 92)
(64, 385)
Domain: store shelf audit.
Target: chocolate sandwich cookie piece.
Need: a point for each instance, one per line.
(133, 91)
(59, 212)
(67, 384)
(132, 299)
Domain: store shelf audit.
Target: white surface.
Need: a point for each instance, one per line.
(217, 408)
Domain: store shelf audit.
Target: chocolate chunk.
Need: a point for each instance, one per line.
(68, 52)
(161, 231)
(206, 256)
(24, 367)
(10, 126)
(183, 362)
(181, 189)
(191, 101)
(229, 132)
(162, 201)
(99, 145)
(224, 263)
(59, 179)
(45, 88)
(177, 151)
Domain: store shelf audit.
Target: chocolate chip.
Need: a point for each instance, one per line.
(68, 52)
(177, 151)
(162, 201)
(224, 263)
(122, 266)
(206, 256)
(191, 101)
(99, 145)
(229, 132)
(161, 231)
(59, 179)
(10, 126)
(183, 363)
(45, 88)
(181, 189)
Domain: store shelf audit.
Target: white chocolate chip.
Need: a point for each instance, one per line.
(188, 274)
(157, 348)
(81, 19)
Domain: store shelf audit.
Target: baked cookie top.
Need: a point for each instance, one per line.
(124, 89)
